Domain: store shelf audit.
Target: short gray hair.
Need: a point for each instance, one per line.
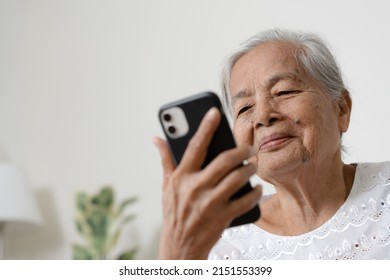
(311, 54)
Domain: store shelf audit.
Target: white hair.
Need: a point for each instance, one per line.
(311, 53)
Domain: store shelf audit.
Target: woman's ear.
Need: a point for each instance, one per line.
(345, 107)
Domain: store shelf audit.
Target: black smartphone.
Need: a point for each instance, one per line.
(180, 120)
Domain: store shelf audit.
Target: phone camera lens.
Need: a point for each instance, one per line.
(172, 129)
(167, 117)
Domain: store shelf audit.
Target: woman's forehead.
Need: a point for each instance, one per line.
(265, 66)
(265, 58)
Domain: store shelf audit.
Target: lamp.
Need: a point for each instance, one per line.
(17, 203)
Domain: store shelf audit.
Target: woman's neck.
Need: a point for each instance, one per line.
(307, 198)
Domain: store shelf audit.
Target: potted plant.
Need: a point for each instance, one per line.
(101, 222)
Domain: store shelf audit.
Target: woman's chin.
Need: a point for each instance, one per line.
(280, 163)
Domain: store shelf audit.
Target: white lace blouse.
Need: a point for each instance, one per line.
(360, 229)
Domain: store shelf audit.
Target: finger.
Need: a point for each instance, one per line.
(196, 150)
(245, 203)
(167, 162)
(234, 181)
(225, 163)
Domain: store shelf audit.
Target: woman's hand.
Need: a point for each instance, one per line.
(196, 203)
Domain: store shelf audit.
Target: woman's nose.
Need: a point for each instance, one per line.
(265, 114)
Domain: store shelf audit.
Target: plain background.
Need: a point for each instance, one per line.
(81, 83)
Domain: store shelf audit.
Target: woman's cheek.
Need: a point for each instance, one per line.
(242, 134)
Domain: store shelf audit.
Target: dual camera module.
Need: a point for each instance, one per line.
(174, 122)
(168, 118)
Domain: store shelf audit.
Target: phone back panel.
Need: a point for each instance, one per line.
(195, 107)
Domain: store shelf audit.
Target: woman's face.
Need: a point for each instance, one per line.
(283, 112)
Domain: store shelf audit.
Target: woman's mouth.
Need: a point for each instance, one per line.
(274, 141)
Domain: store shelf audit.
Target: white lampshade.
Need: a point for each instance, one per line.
(17, 202)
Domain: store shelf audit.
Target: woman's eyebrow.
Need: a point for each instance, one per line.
(282, 77)
(240, 95)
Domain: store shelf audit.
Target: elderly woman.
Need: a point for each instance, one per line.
(290, 108)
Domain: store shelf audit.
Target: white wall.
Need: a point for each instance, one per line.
(81, 83)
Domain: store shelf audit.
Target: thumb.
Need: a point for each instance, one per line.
(167, 162)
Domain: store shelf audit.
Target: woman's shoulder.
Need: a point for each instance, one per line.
(370, 175)
(374, 166)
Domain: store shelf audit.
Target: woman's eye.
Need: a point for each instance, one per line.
(243, 110)
(286, 92)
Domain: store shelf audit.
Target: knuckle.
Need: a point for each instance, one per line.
(201, 182)
(194, 144)
(190, 195)
(236, 177)
(227, 160)
(221, 170)
(191, 188)
(175, 180)
(208, 205)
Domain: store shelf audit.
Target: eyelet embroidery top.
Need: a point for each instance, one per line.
(360, 229)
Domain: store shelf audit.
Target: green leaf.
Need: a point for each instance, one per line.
(81, 201)
(81, 253)
(98, 222)
(128, 255)
(128, 219)
(99, 244)
(105, 198)
(126, 203)
(120, 224)
(113, 239)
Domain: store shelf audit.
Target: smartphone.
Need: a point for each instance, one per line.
(181, 119)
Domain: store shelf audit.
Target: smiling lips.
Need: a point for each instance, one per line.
(273, 141)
